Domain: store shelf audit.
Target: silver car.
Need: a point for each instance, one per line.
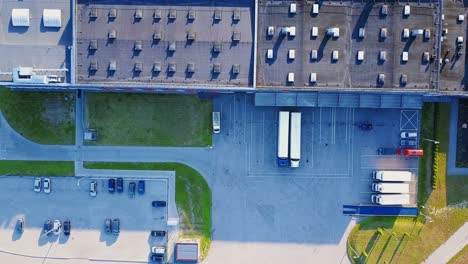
(37, 184)
(93, 188)
(47, 185)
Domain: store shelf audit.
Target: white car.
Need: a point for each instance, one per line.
(57, 226)
(37, 184)
(93, 188)
(409, 135)
(47, 185)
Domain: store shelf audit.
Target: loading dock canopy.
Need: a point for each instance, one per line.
(52, 17)
(20, 17)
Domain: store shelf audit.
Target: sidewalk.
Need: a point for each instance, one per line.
(450, 248)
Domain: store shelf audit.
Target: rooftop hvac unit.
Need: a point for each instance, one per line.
(157, 35)
(93, 65)
(333, 32)
(292, 31)
(93, 44)
(172, 46)
(313, 54)
(404, 56)
(360, 55)
(138, 67)
(52, 18)
(427, 33)
(171, 67)
(217, 46)
(381, 78)
(112, 65)
(138, 46)
(236, 15)
(93, 13)
(461, 18)
(157, 67)
(314, 32)
(270, 54)
(426, 57)
(20, 17)
(292, 8)
(216, 67)
(112, 13)
(407, 10)
(236, 69)
(270, 31)
(405, 33)
(404, 79)
(157, 14)
(290, 77)
(382, 55)
(112, 34)
(313, 77)
(416, 32)
(384, 10)
(191, 35)
(217, 15)
(236, 36)
(383, 32)
(191, 14)
(362, 32)
(191, 67)
(138, 14)
(335, 55)
(172, 14)
(315, 9)
(291, 54)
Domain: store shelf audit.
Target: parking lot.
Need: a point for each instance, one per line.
(70, 200)
(263, 210)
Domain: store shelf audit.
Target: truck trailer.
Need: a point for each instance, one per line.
(295, 148)
(391, 199)
(401, 176)
(385, 187)
(283, 138)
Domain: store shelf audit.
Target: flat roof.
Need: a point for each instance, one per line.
(141, 58)
(45, 49)
(347, 71)
(186, 252)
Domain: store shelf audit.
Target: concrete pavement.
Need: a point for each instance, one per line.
(451, 247)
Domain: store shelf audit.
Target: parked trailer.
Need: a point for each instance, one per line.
(283, 138)
(403, 176)
(390, 199)
(295, 148)
(384, 187)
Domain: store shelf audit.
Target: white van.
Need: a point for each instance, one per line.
(216, 122)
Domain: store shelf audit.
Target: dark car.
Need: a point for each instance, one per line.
(159, 203)
(408, 142)
(48, 227)
(66, 227)
(108, 225)
(141, 186)
(119, 185)
(116, 226)
(158, 233)
(131, 189)
(20, 225)
(111, 185)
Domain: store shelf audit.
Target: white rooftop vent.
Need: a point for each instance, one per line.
(384, 10)
(360, 55)
(333, 32)
(236, 69)
(405, 33)
(362, 32)
(427, 33)
(271, 31)
(383, 32)
(426, 57)
(381, 78)
(20, 17)
(291, 77)
(461, 18)
(313, 77)
(407, 10)
(382, 55)
(335, 55)
(404, 56)
(292, 54)
(416, 32)
(292, 31)
(52, 17)
(292, 8)
(313, 54)
(315, 9)
(314, 32)
(270, 54)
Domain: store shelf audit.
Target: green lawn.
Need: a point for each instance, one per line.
(43, 117)
(150, 119)
(411, 240)
(461, 257)
(193, 197)
(37, 168)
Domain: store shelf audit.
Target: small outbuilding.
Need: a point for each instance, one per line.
(186, 252)
(20, 17)
(52, 17)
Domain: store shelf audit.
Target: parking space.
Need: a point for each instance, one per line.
(70, 200)
(314, 51)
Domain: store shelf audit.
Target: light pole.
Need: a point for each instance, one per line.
(430, 140)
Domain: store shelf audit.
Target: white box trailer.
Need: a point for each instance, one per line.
(385, 187)
(295, 148)
(283, 138)
(403, 176)
(391, 199)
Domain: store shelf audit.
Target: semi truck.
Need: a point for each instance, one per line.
(283, 138)
(390, 199)
(384, 187)
(295, 148)
(403, 176)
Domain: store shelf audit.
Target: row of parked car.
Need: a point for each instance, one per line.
(118, 185)
(409, 139)
(49, 226)
(40, 184)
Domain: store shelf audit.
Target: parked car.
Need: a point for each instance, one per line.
(48, 226)
(408, 142)
(108, 225)
(159, 203)
(116, 226)
(111, 185)
(131, 189)
(93, 188)
(409, 135)
(20, 225)
(66, 227)
(37, 184)
(141, 186)
(158, 233)
(57, 226)
(119, 185)
(47, 185)
(157, 254)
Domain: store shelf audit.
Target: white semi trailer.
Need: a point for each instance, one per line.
(295, 148)
(401, 176)
(385, 187)
(391, 199)
(283, 138)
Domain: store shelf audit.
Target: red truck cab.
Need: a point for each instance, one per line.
(410, 152)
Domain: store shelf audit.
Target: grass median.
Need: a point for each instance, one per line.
(43, 117)
(412, 240)
(149, 119)
(37, 168)
(193, 197)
